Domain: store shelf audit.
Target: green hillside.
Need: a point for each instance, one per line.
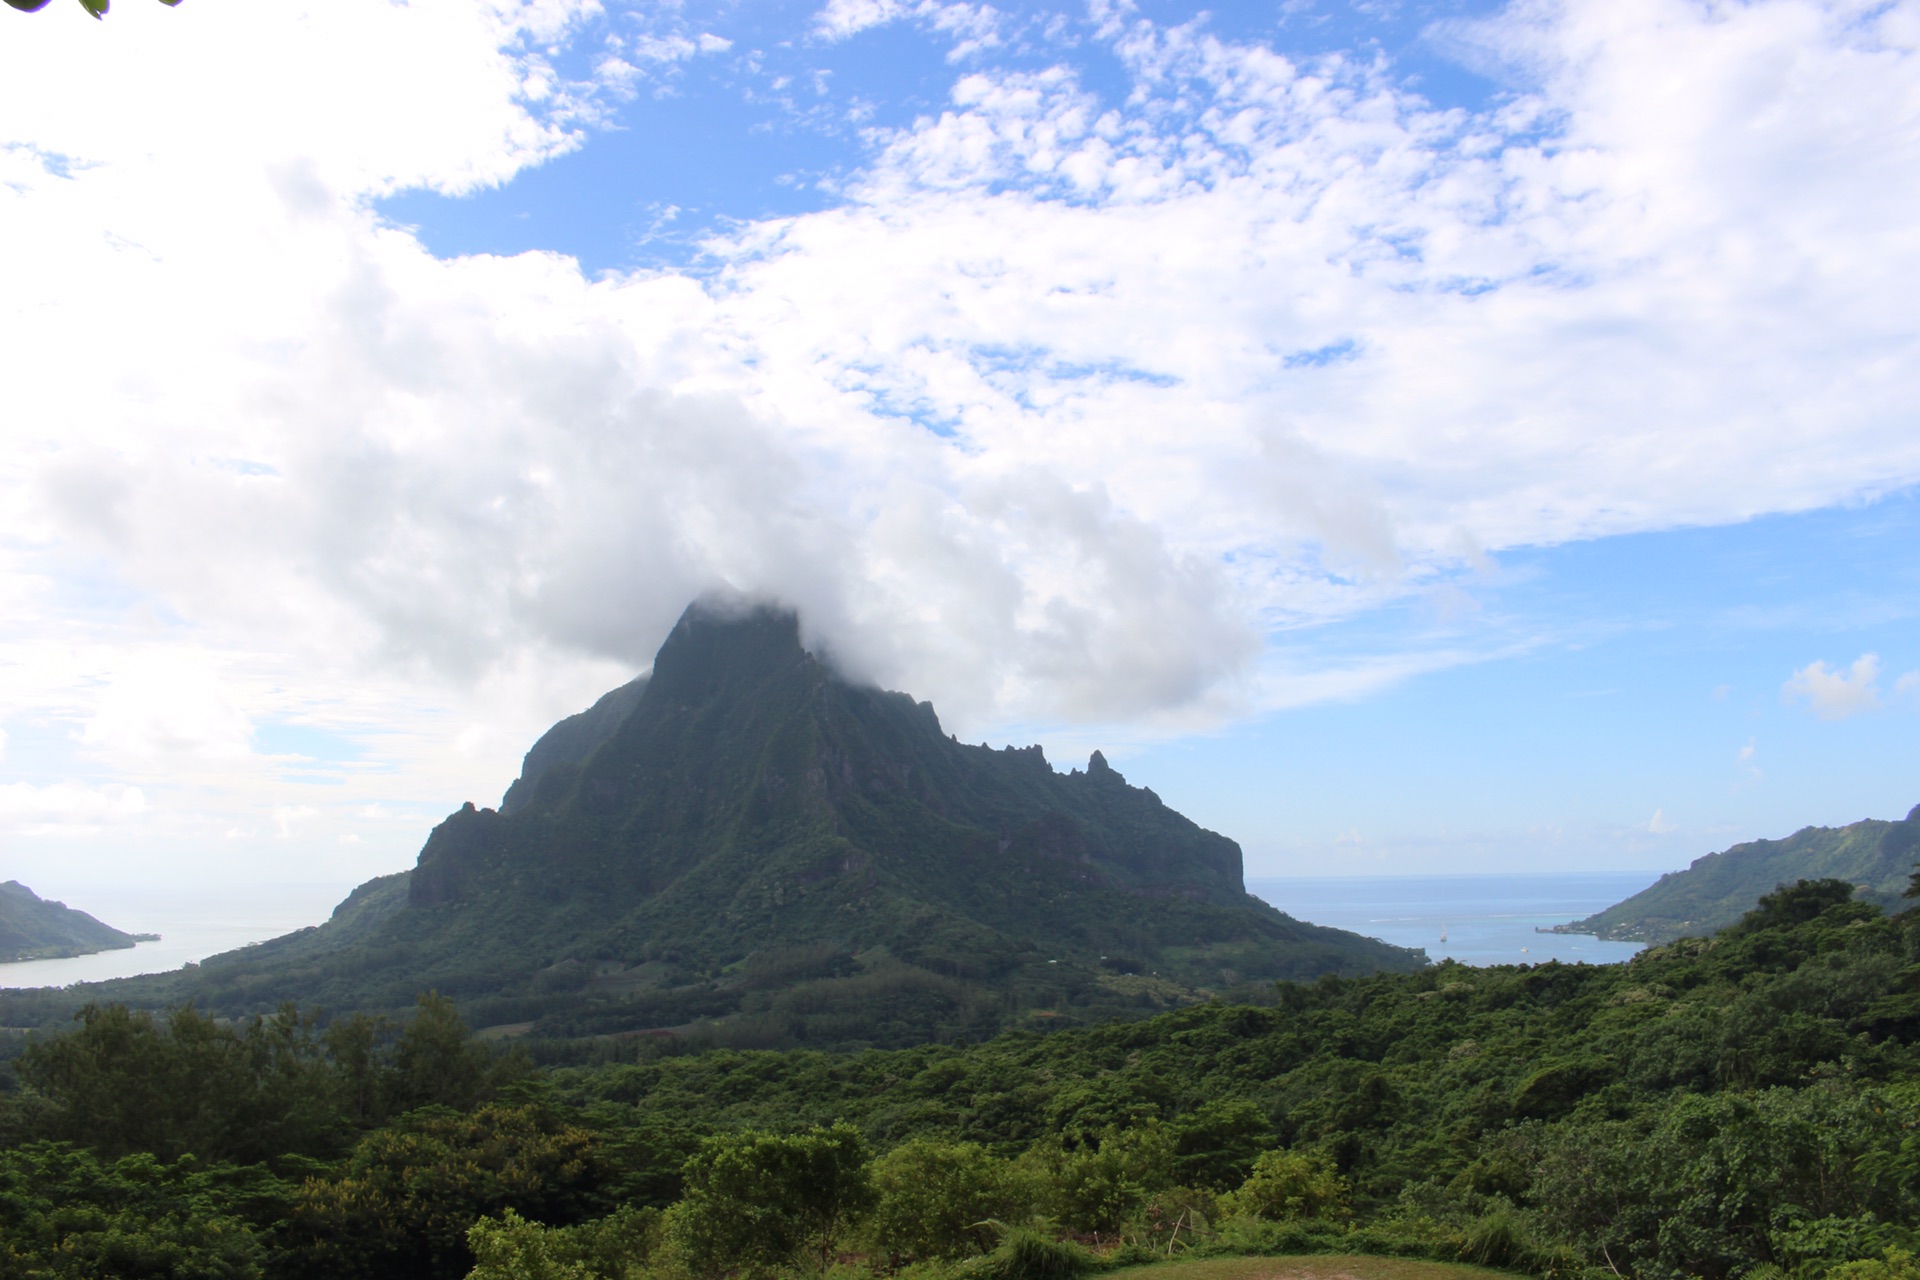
(33, 928)
(747, 845)
(1876, 857)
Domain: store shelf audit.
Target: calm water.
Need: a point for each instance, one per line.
(1487, 919)
(192, 923)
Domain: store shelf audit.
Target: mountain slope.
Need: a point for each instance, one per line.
(33, 928)
(745, 836)
(1719, 888)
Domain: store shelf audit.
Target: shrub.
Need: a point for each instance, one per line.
(1289, 1185)
(939, 1199)
(760, 1200)
(1028, 1255)
(1894, 1264)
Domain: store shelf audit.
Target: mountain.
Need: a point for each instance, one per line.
(1878, 857)
(32, 928)
(749, 845)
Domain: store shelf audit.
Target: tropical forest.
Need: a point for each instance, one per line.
(1745, 1104)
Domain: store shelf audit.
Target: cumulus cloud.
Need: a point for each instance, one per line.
(1064, 410)
(1837, 694)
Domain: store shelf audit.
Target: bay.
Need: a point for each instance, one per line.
(1487, 919)
(1474, 919)
(193, 923)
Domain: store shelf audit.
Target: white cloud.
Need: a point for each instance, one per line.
(1660, 824)
(1907, 686)
(66, 808)
(975, 26)
(843, 18)
(1835, 695)
(289, 816)
(166, 705)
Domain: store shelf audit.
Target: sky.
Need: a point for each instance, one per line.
(1412, 437)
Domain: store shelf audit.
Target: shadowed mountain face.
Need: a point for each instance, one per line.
(745, 837)
(1877, 857)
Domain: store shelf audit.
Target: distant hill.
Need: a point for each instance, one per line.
(32, 928)
(746, 845)
(1878, 857)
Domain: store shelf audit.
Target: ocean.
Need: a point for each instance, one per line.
(1485, 919)
(1475, 919)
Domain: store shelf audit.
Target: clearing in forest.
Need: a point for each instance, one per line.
(1308, 1267)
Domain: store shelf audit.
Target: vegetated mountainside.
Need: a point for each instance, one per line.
(747, 843)
(1876, 857)
(34, 928)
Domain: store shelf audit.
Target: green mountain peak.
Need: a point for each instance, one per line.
(745, 839)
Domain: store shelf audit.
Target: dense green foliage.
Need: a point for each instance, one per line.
(1876, 857)
(1746, 1105)
(32, 928)
(747, 850)
(766, 1199)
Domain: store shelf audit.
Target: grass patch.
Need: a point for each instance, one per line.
(1308, 1267)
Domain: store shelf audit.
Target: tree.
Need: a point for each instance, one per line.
(408, 1195)
(763, 1200)
(1793, 904)
(437, 1062)
(125, 1081)
(1287, 1185)
(1100, 1186)
(615, 1247)
(936, 1199)
(98, 8)
(64, 1213)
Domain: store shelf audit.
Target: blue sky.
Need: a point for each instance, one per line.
(1655, 681)
(772, 123)
(1411, 437)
